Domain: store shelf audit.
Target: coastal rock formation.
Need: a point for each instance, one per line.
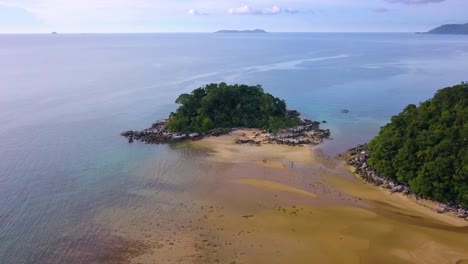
(357, 158)
(307, 133)
(158, 134)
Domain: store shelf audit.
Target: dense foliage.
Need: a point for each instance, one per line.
(426, 146)
(226, 106)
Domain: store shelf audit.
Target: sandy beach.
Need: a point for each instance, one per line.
(282, 204)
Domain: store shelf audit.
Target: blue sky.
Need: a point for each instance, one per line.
(91, 16)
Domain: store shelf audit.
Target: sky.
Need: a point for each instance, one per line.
(121, 16)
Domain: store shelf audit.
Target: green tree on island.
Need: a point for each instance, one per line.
(426, 147)
(217, 106)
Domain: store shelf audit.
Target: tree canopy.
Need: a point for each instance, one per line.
(426, 147)
(225, 106)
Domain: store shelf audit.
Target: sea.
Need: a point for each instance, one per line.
(64, 99)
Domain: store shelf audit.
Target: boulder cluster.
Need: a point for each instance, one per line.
(307, 133)
(158, 134)
(357, 158)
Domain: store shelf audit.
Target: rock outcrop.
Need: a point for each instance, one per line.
(357, 158)
(307, 133)
(158, 134)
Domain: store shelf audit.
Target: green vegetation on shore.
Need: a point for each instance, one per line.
(225, 106)
(426, 147)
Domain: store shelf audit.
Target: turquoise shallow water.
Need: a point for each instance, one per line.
(64, 99)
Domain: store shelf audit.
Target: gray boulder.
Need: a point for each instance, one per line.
(398, 188)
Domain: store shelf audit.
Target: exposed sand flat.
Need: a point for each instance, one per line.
(280, 230)
(272, 164)
(397, 201)
(275, 186)
(224, 149)
(281, 204)
(340, 234)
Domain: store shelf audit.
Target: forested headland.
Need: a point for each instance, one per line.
(457, 29)
(425, 148)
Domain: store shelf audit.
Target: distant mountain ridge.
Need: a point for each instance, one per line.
(459, 29)
(242, 31)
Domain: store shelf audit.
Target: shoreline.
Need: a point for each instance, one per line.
(307, 132)
(423, 204)
(228, 149)
(356, 158)
(225, 149)
(251, 204)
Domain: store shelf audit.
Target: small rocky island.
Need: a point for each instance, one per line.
(423, 152)
(218, 109)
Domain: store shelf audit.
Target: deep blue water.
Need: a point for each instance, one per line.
(64, 99)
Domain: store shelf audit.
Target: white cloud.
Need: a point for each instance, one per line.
(194, 12)
(243, 10)
(247, 10)
(274, 10)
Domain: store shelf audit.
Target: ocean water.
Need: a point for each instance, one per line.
(64, 99)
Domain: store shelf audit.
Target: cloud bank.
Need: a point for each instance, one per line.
(30, 16)
(243, 10)
(273, 10)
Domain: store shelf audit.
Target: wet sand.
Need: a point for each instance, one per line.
(280, 204)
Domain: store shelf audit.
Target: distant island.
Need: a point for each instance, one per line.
(54, 33)
(423, 150)
(455, 29)
(217, 109)
(242, 31)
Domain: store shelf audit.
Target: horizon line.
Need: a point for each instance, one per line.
(194, 32)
